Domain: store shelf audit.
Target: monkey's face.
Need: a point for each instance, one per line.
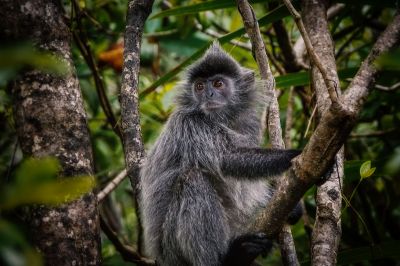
(214, 93)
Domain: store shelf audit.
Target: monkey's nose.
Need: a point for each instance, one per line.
(210, 93)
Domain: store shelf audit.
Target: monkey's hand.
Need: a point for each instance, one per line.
(295, 214)
(244, 249)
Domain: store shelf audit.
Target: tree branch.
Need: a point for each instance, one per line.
(299, 46)
(390, 88)
(334, 128)
(216, 34)
(111, 186)
(138, 11)
(360, 85)
(313, 56)
(285, 238)
(128, 253)
(327, 229)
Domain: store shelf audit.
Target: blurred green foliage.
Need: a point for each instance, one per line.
(34, 182)
(15, 57)
(172, 40)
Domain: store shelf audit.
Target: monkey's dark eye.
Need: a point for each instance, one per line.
(217, 83)
(199, 86)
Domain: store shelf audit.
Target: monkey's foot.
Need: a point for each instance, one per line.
(246, 248)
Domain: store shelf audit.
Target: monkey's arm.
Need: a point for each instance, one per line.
(257, 162)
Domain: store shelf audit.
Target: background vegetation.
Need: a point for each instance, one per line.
(173, 38)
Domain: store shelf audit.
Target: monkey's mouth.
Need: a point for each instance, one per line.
(212, 106)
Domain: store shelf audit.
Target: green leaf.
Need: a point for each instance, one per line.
(22, 55)
(303, 78)
(198, 7)
(36, 182)
(33, 171)
(366, 170)
(293, 79)
(50, 193)
(278, 13)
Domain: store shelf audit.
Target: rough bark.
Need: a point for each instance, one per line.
(286, 242)
(332, 131)
(51, 121)
(310, 51)
(327, 229)
(138, 11)
(252, 29)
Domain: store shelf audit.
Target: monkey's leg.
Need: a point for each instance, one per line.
(246, 248)
(257, 162)
(195, 231)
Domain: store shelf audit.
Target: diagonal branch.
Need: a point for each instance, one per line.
(128, 253)
(286, 241)
(216, 34)
(333, 130)
(360, 85)
(111, 186)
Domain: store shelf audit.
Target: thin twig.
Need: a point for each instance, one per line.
(334, 10)
(275, 63)
(390, 88)
(127, 252)
(310, 120)
(373, 134)
(348, 41)
(83, 45)
(111, 186)
(314, 57)
(158, 34)
(360, 84)
(299, 46)
(347, 54)
(215, 34)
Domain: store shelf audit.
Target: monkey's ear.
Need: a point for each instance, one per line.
(248, 75)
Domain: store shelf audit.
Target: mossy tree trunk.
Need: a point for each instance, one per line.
(51, 121)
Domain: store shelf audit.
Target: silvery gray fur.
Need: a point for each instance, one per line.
(202, 183)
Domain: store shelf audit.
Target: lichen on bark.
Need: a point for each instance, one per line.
(51, 121)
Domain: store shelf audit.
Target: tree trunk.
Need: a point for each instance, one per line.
(51, 121)
(327, 229)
